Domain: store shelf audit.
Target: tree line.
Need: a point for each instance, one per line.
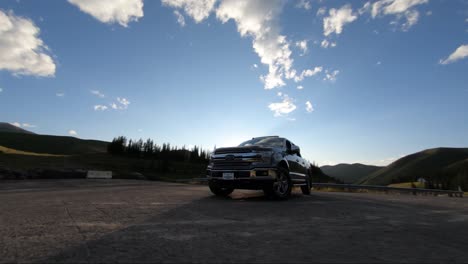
(447, 179)
(444, 179)
(149, 149)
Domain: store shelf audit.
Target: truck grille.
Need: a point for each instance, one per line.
(231, 164)
(232, 150)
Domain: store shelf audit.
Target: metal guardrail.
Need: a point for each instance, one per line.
(348, 187)
(414, 191)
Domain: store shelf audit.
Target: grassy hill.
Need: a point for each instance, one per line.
(444, 167)
(28, 155)
(7, 127)
(4, 150)
(350, 173)
(58, 145)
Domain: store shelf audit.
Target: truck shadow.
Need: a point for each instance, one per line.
(254, 196)
(207, 229)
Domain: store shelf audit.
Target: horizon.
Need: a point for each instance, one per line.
(348, 81)
(191, 147)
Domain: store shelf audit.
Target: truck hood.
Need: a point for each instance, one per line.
(248, 149)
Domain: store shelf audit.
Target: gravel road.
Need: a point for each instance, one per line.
(140, 221)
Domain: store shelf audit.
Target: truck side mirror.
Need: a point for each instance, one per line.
(295, 150)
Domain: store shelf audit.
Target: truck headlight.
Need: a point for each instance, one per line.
(266, 157)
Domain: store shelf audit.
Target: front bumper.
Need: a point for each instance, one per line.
(255, 178)
(252, 174)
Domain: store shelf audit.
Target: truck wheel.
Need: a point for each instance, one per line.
(282, 186)
(220, 191)
(306, 189)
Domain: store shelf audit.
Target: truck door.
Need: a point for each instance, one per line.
(293, 161)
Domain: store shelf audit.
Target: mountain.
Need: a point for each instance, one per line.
(319, 176)
(7, 127)
(350, 173)
(444, 167)
(58, 145)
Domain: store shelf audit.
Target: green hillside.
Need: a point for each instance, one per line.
(350, 173)
(444, 167)
(7, 127)
(51, 144)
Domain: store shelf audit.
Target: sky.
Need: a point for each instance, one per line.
(347, 81)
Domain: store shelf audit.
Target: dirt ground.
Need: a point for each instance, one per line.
(141, 221)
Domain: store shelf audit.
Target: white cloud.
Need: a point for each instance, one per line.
(1, 90)
(365, 8)
(302, 45)
(379, 63)
(459, 54)
(300, 87)
(25, 125)
(321, 11)
(429, 13)
(124, 102)
(100, 107)
(72, 132)
(325, 44)
(311, 72)
(307, 73)
(337, 18)
(112, 11)
(399, 8)
(279, 94)
(304, 4)
(22, 52)
(98, 93)
(387, 161)
(411, 20)
(331, 75)
(309, 107)
(28, 125)
(258, 19)
(60, 94)
(180, 18)
(255, 65)
(394, 6)
(197, 9)
(282, 108)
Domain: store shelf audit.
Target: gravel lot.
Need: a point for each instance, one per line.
(140, 221)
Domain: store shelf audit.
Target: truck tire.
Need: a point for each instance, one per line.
(220, 191)
(281, 187)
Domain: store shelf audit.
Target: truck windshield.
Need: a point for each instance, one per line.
(270, 142)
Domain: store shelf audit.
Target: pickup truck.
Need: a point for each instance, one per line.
(272, 164)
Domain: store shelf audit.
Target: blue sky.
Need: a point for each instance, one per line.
(348, 81)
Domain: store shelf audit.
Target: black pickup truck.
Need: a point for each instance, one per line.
(272, 164)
